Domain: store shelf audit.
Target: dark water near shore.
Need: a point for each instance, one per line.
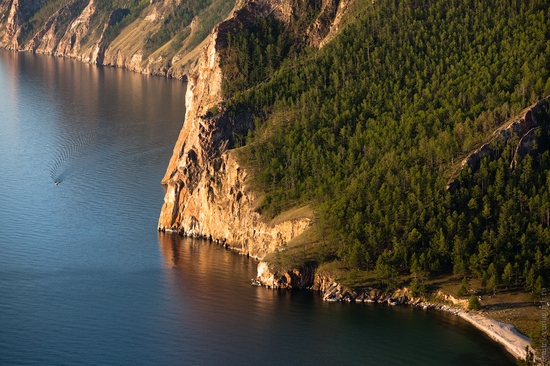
(86, 279)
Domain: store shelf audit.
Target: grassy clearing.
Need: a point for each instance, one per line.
(293, 214)
(300, 251)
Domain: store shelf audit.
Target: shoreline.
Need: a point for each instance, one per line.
(181, 76)
(502, 333)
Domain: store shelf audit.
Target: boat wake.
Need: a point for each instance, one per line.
(71, 150)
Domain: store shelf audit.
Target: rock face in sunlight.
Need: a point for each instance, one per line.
(296, 278)
(206, 188)
(206, 193)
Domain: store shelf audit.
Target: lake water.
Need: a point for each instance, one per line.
(86, 279)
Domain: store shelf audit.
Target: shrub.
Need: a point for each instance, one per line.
(463, 289)
(474, 303)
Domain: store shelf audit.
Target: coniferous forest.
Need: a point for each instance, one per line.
(369, 129)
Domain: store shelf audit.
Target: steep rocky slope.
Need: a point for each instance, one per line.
(130, 34)
(206, 188)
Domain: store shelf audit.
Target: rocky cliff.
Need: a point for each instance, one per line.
(527, 129)
(206, 188)
(129, 34)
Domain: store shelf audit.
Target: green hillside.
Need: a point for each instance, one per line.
(369, 129)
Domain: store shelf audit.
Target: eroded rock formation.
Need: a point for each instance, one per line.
(301, 278)
(206, 188)
(206, 191)
(524, 128)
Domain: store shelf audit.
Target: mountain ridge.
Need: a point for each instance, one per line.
(112, 33)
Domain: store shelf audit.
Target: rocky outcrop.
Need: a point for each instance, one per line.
(12, 24)
(71, 43)
(206, 188)
(332, 291)
(303, 278)
(527, 144)
(523, 128)
(336, 10)
(46, 39)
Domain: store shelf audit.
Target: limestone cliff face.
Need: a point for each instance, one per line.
(206, 188)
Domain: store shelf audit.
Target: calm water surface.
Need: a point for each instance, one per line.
(86, 279)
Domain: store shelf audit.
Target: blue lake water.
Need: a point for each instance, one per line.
(86, 279)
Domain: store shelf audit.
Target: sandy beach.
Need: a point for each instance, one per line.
(503, 333)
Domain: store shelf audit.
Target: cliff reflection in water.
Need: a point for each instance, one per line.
(212, 274)
(215, 307)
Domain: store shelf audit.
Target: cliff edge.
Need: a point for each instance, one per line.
(206, 188)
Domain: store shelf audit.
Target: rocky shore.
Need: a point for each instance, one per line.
(503, 333)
